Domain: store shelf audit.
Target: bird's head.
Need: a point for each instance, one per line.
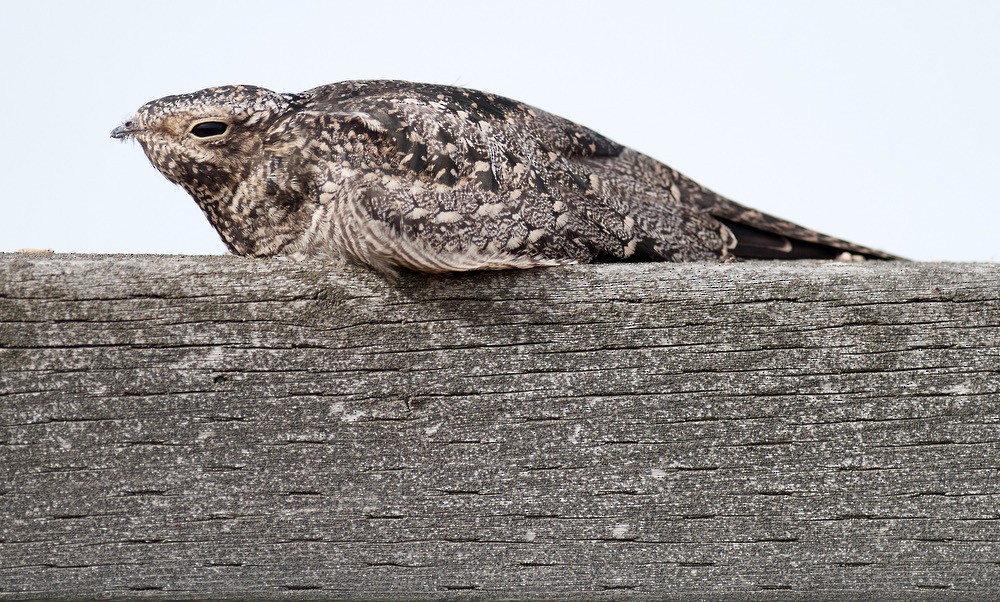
(205, 141)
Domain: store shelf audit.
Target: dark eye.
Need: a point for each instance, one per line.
(207, 129)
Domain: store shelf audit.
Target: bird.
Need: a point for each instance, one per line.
(403, 176)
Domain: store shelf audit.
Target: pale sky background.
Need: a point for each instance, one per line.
(875, 121)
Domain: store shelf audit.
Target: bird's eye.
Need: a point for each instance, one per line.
(208, 129)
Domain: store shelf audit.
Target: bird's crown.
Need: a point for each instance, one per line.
(205, 114)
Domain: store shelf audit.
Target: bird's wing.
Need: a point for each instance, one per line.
(476, 178)
(466, 179)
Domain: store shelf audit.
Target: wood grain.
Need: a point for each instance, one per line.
(215, 427)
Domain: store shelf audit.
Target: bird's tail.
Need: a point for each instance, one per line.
(762, 236)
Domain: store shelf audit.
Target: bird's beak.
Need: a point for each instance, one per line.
(124, 131)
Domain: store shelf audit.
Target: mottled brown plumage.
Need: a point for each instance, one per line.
(393, 174)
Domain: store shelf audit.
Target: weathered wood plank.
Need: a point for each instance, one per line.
(218, 427)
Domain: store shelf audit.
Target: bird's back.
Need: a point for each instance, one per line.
(577, 194)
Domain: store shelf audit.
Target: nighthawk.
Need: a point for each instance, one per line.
(393, 174)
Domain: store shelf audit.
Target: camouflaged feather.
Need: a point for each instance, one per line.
(393, 174)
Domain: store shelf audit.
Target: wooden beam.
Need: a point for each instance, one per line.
(210, 427)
